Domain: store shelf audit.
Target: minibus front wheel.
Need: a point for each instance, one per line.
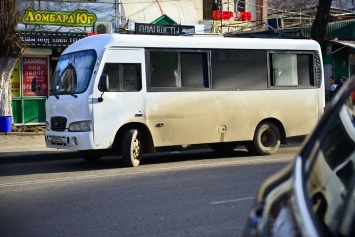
(132, 148)
(266, 141)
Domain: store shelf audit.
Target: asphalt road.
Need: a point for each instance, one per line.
(194, 193)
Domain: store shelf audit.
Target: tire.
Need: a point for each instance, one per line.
(223, 147)
(90, 156)
(132, 148)
(267, 139)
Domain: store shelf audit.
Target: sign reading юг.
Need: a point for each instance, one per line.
(79, 18)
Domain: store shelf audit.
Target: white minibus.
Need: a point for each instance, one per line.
(130, 94)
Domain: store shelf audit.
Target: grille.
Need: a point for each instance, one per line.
(318, 70)
(58, 124)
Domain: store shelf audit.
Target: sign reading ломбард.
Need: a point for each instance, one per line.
(79, 18)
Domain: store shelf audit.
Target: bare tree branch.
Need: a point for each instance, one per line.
(10, 43)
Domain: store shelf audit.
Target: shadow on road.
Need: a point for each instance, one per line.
(59, 162)
(78, 164)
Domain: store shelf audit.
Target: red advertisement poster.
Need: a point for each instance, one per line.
(35, 67)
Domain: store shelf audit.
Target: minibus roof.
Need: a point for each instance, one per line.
(101, 42)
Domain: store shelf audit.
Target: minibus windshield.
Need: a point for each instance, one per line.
(73, 73)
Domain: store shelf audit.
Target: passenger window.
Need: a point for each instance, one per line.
(239, 69)
(123, 76)
(305, 69)
(292, 69)
(178, 69)
(194, 72)
(164, 69)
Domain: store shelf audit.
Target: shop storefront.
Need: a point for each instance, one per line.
(39, 60)
(27, 107)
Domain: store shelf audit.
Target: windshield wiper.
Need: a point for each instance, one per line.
(53, 92)
(71, 93)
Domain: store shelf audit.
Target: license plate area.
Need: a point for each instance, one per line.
(56, 139)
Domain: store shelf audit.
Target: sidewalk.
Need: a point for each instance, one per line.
(29, 146)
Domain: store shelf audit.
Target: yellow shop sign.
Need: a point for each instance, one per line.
(75, 18)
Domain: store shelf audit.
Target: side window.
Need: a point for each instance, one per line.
(175, 69)
(290, 69)
(123, 76)
(239, 69)
(305, 69)
(194, 72)
(164, 68)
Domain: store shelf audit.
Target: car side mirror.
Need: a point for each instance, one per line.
(104, 84)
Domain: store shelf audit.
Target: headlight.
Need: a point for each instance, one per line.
(83, 126)
(48, 127)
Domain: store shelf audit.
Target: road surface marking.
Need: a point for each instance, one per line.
(233, 200)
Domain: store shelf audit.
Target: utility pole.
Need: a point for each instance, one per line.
(219, 5)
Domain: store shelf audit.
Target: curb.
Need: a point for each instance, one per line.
(22, 133)
(19, 157)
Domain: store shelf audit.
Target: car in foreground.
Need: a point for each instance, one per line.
(314, 195)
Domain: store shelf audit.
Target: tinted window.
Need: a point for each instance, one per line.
(305, 70)
(164, 67)
(123, 76)
(239, 69)
(194, 70)
(178, 69)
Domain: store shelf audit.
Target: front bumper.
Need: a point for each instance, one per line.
(69, 140)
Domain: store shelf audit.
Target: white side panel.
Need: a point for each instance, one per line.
(199, 117)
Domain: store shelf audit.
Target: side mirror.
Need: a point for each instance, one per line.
(34, 88)
(104, 84)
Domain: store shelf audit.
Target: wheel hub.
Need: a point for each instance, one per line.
(136, 148)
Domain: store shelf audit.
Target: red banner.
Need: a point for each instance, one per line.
(34, 67)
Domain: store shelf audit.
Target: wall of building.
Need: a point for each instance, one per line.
(199, 8)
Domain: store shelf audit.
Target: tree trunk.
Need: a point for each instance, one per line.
(319, 26)
(7, 65)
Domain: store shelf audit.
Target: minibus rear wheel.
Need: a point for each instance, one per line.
(132, 148)
(267, 139)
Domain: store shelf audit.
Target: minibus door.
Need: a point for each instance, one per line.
(123, 100)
